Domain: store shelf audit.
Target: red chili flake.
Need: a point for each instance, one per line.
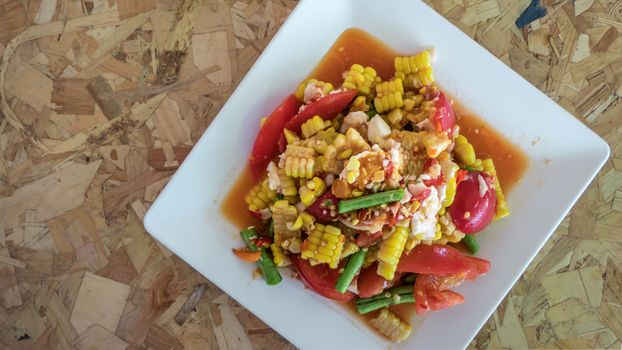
(421, 196)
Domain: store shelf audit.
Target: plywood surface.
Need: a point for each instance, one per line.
(101, 100)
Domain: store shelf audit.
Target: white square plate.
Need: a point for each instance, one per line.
(186, 216)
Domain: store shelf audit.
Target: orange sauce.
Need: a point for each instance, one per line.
(234, 208)
(357, 46)
(510, 161)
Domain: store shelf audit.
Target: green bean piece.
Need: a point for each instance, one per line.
(248, 235)
(370, 200)
(352, 267)
(469, 168)
(410, 278)
(471, 243)
(365, 308)
(271, 229)
(407, 289)
(269, 271)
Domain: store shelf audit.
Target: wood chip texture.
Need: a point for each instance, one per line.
(101, 100)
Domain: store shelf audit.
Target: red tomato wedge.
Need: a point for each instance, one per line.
(320, 279)
(324, 209)
(444, 118)
(442, 260)
(327, 107)
(265, 147)
(431, 293)
(369, 283)
(472, 210)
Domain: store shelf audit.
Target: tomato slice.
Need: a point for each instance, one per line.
(444, 118)
(431, 292)
(472, 211)
(320, 279)
(369, 283)
(324, 209)
(327, 107)
(442, 260)
(265, 147)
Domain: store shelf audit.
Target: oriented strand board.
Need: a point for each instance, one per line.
(100, 301)
(74, 187)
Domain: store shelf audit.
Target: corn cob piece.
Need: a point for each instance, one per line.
(349, 248)
(388, 102)
(372, 255)
(355, 141)
(411, 243)
(280, 258)
(299, 161)
(360, 78)
(283, 215)
(391, 326)
(323, 246)
(413, 64)
(314, 125)
(502, 206)
(288, 185)
(464, 150)
(389, 87)
(310, 191)
(449, 233)
(260, 197)
(352, 167)
(359, 104)
(450, 189)
(423, 78)
(324, 87)
(390, 252)
(290, 136)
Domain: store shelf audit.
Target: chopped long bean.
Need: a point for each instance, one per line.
(352, 267)
(370, 200)
(364, 308)
(271, 229)
(407, 289)
(410, 278)
(269, 271)
(471, 243)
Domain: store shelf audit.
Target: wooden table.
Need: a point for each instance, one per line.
(102, 99)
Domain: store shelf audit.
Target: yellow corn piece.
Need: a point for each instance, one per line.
(280, 258)
(372, 255)
(290, 136)
(359, 104)
(390, 87)
(388, 102)
(288, 186)
(323, 246)
(396, 115)
(450, 189)
(310, 191)
(464, 151)
(413, 64)
(313, 126)
(423, 78)
(284, 213)
(502, 206)
(349, 248)
(391, 326)
(260, 196)
(360, 78)
(411, 243)
(352, 167)
(355, 141)
(324, 87)
(299, 161)
(390, 252)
